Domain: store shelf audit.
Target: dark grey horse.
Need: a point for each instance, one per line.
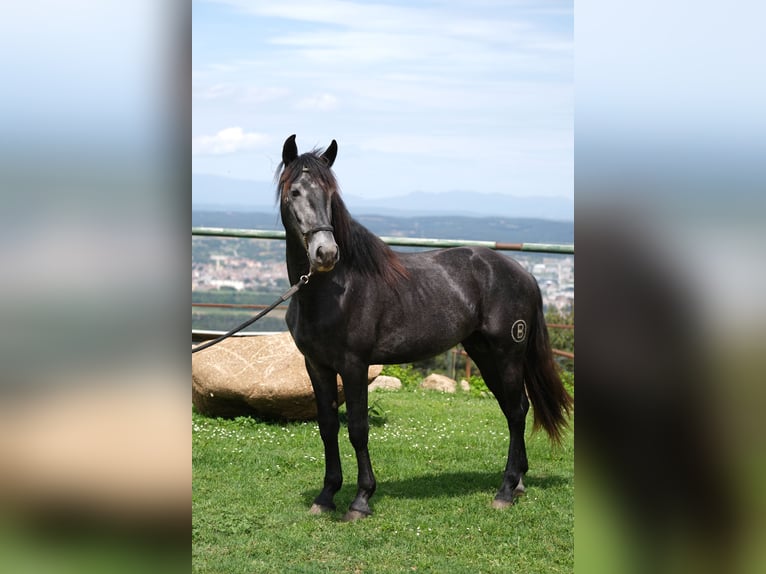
(366, 304)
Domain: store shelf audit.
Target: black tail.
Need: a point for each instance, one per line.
(550, 400)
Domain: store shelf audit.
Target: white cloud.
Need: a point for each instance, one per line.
(228, 141)
(321, 103)
(262, 95)
(371, 31)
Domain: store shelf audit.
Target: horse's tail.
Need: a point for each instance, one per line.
(550, 400)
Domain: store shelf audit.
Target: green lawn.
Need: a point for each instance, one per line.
(438, 460)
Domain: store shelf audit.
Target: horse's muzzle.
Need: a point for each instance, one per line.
(325, 257)
(321, 249)
(323, 252)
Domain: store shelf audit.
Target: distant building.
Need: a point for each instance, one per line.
(230, 283)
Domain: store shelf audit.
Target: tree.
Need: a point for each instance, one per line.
(561, 335)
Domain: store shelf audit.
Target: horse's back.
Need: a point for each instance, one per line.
(487, 269)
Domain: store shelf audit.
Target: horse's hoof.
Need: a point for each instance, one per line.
(499, 503)
(502, 500)
(354, 515)
(319, 509)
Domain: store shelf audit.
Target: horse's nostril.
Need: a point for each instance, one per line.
(327, 255)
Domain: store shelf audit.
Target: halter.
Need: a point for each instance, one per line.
(307, 234)
(316, 230)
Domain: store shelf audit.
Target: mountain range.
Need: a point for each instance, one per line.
(216, 193)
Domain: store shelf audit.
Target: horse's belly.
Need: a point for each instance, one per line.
(406, 355)
(417, 338)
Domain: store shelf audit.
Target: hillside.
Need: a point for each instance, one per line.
(444, 227)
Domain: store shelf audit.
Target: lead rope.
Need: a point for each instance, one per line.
(282, 298)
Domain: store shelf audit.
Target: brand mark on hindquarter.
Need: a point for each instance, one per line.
(519, 331)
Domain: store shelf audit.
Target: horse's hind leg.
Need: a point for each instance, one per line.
(326, 392)
(504, 376)
(517, 464)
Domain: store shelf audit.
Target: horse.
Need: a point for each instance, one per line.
(364, 304)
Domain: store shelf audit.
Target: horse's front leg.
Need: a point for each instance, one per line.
(355, 389)
(326, 392)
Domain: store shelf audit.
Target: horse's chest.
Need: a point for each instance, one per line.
(306, 339)
(320, 336)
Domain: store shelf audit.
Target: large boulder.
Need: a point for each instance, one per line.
(263, 376)
(437, 382)
(386, 383)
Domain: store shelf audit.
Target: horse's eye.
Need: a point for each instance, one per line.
(295, 192)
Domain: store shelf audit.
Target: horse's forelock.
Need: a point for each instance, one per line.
(312, 161)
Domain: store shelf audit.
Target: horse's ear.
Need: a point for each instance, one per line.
(289, 150)
(329, 155)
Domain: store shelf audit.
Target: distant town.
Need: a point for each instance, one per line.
(238, 274)
(227, 269)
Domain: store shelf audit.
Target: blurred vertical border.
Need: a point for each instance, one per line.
(670, 142)
(94, 391)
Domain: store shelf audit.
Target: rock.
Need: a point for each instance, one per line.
(385, 382)
(436, 382)
(263, 376)
(465, 385)
(373, 373)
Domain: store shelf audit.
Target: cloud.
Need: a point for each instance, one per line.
(262, 95)
(228, 141)
(365, 31)
(321, 103)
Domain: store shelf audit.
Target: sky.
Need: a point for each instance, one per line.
(443, 95)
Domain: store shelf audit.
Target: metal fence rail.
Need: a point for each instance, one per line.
(566, 248)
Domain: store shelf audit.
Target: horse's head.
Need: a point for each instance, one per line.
(306, 187)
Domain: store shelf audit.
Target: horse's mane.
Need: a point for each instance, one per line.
(360, 249)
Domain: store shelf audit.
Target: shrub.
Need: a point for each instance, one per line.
(478, 387)
(407, 374)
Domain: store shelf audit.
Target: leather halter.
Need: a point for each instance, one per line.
(307, 234)
(316, 229)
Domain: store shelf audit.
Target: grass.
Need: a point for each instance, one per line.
(438, 460)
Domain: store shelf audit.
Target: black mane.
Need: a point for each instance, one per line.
(362, 250)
